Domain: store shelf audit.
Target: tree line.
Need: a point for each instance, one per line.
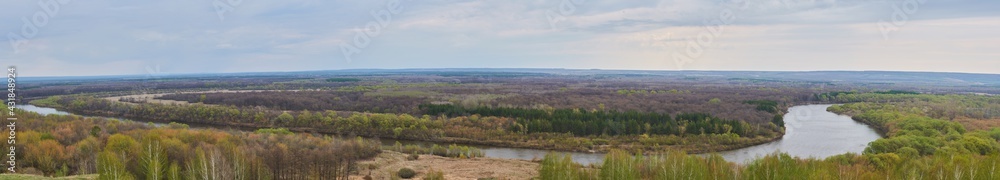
(307, 100)
(583, 122)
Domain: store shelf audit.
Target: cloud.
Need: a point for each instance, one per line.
(123, 37)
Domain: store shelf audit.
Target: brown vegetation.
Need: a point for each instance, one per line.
(389, 162)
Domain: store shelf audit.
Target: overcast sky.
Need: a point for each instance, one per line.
(107, 37)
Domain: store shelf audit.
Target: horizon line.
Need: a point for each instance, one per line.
(485, 68)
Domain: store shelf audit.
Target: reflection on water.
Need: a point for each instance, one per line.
(41, 110)
(47, 111)
(528, 154)
(811, 131)
(511, 153)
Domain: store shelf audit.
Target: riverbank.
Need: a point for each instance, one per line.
(386, 164)
(466, 133)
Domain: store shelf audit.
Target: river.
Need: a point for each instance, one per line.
(810, 131)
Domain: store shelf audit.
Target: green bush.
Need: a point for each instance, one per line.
(406, 173)
(620, 165)
(558, 166)
(439, 150)
(283, 131)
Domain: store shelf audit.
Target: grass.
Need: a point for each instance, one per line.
(47, 102)
(453, 151)
(34, 177)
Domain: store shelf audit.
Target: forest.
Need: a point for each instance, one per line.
(291, 126)
(60, 145)
(488, 109)
(688, 133)
(395, 95)
(584, 122)
(307, 100)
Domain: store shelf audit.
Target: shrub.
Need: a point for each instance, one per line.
(558, 166)
(434, 175)
(413, 157)
(282, 131)
(439, 150)
(414, 149)
(406, 173)
(620, 165)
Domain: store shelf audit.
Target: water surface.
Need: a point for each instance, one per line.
(41, 110)
(811, 131)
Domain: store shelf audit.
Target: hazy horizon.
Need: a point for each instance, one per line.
(161, 74)
(53, 38)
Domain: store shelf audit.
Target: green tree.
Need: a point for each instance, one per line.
(95, 131)
(153, 161)
(110, 167)
(558, 167)
(123, 146)
(305, 117)
(174, 172)
(285, 118)
(200, 167)
(619, 166)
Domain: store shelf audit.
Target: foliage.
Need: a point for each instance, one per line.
(394, 102)
(153, 160)
(343, 80)
(282, 131)
(715, 101)
(618, 165)
(678, 165)
(406, 173)
(558, 167)
(946, 107)
(911, 129)
(688, 132)
(129, 150)
(453, 150)
(582, 122)
(764, 105)
(111, 167)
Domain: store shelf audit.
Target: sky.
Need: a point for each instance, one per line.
(116, 37)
